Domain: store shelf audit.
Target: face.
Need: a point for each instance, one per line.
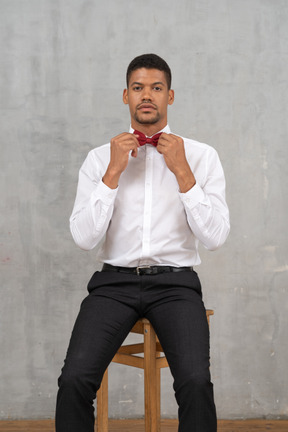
(148, 98)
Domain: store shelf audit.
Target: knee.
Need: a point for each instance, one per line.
(193, 384)
(199, 380)
(78, 381)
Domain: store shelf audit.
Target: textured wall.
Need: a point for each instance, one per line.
(62, 70)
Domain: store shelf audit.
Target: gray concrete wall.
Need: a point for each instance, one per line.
(62, 68)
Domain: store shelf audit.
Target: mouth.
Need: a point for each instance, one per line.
(146, 107)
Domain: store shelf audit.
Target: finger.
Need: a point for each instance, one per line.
(123, 136)
(159, 148)
(164, 140)
(130, 138)
(126, 143)
(118, 137)
(165, 137)
(163, 144)
(135, 137)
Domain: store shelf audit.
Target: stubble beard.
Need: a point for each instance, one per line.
(150, 120)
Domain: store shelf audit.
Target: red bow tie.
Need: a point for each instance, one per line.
(142, 139)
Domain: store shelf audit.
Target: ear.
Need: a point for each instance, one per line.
(170, 97)
(125, 96)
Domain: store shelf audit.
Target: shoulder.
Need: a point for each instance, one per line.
(196, 147)
(97, 158)
(201, 156)
(191, 143)
(99, 153)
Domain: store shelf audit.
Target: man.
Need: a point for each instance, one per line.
(152, 203)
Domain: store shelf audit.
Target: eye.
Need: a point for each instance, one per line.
(157, 88)
(137, 88)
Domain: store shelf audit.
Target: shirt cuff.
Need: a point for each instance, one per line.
(105, 194)
(193, 196)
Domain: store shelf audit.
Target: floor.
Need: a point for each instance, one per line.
(138, 426)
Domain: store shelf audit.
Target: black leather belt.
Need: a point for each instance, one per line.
(145, 270)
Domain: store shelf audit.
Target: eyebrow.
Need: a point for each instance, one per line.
(153, 84)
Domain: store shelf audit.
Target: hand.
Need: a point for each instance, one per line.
(172, 148)
(120, 148)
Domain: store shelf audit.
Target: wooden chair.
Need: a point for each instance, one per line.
(152, 361)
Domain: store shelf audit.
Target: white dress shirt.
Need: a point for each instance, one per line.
(146, 220)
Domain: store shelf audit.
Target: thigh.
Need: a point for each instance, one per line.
(181, 325)
(102, 325)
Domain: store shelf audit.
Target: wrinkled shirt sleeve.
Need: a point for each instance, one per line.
(205, 205)
(93, 206)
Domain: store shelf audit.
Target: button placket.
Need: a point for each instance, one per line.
(147, 202)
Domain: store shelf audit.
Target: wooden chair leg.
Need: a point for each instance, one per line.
(150, 379)
(102, 405)
(158, 393)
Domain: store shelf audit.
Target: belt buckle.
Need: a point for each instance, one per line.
(138, 269)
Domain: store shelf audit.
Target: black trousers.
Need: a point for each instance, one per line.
(173, 304)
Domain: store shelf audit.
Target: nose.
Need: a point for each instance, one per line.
(147, 94)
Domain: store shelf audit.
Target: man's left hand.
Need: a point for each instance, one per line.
(172, 148)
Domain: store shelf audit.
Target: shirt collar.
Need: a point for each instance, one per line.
(166, 129)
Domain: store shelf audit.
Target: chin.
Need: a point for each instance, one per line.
(147, 120)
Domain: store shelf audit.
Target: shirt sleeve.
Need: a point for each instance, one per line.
(205, 205)
(93, 206)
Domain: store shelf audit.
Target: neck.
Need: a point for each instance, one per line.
(148, 129)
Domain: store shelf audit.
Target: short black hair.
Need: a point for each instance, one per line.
(149, 61)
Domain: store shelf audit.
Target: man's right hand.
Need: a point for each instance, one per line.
(120, 148)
